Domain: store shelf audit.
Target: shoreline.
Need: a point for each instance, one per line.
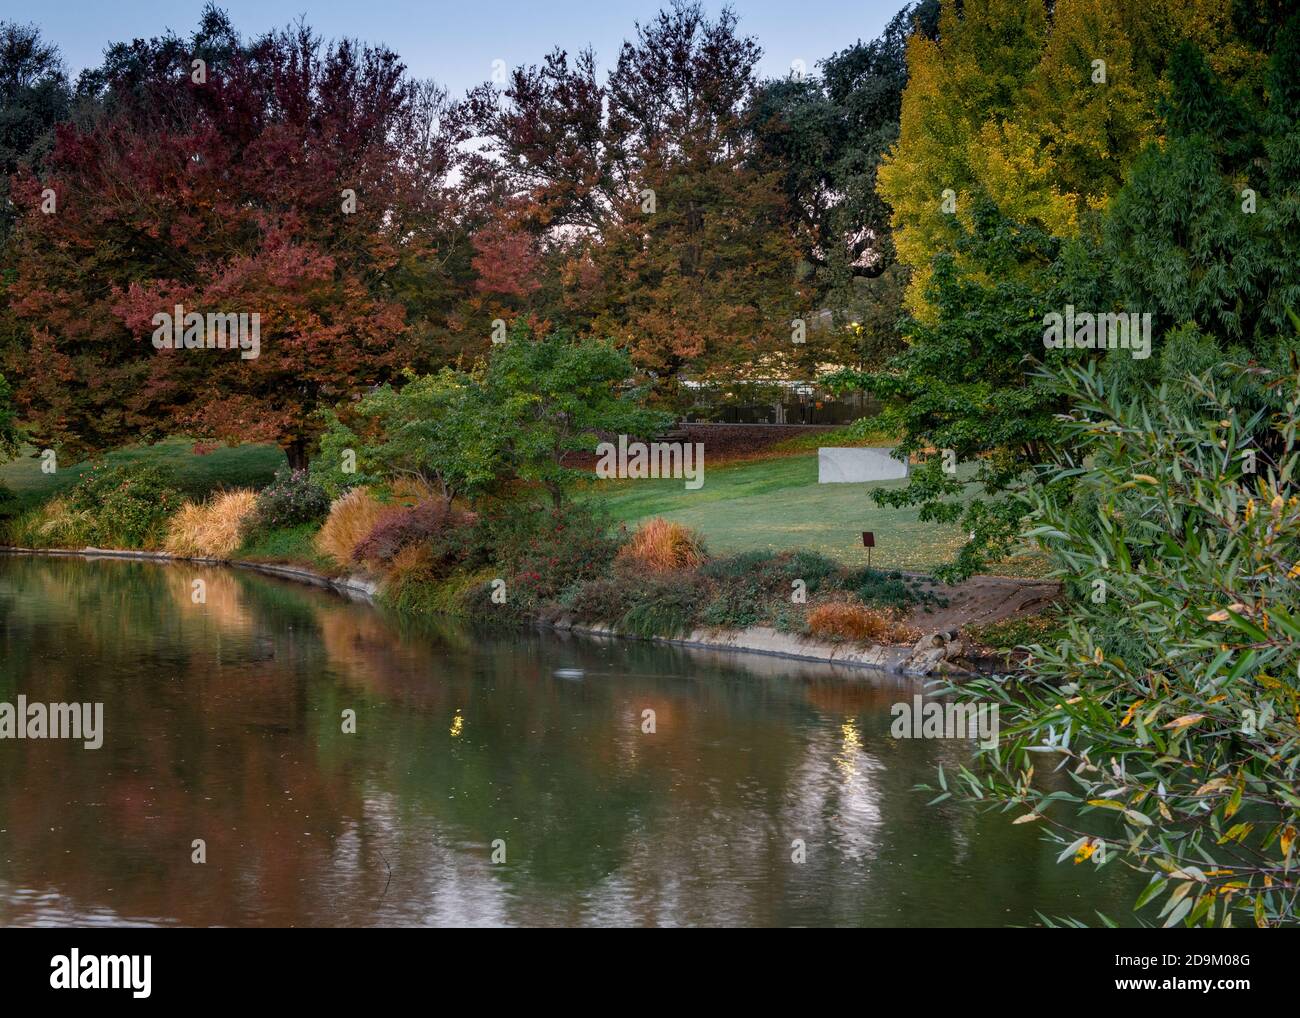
(760, 640)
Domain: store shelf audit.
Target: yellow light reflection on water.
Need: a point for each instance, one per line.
(847, 760)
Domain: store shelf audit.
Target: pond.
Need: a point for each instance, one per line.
(495, 776)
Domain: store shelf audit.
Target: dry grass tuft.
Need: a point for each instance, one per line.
(352, 517)
(845, 621)
(210, 529)
(660, 546)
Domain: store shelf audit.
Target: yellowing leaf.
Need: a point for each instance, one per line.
(1184, 721)
(1234, 803)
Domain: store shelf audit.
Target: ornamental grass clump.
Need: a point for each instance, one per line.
(660, 545)
(844, 620)
(213, 528)
(351, 519)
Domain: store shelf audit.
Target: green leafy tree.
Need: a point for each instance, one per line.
(555, 396)
(441, 429)
(1174, 242)
(959, 393)
(34, 96)
(515, 418)
(829, 132)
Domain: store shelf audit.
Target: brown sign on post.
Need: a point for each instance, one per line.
(868, 542)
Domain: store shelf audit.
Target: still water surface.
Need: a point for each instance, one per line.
(223, 723)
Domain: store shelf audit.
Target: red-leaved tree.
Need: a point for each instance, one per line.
(305, 184)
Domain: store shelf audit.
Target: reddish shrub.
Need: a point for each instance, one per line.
(432, 523)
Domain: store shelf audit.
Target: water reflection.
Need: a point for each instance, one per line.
(224, 723)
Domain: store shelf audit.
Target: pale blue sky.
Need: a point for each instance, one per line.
(455, 43)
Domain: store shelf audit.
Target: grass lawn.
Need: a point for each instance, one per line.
(777, 504)
(250, 466)
(774, 504)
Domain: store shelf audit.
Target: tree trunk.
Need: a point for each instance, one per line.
(295, 451)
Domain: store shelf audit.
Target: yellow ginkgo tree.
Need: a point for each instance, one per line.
(1039, 114)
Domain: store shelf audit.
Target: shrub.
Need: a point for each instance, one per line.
(127, 506)
(433, 526)
(842, 620)
(545, 550)
(659, 605)
(603, 599)
(734, 607)
(293, 497)
(211, 529)
(1177, 691)
(816, 570)
(660, 545)
(890, 590)
(351, 519)
(458, 594)
(664, 606)
(754, 587)
(742, 566)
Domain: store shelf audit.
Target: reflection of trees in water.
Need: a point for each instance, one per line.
(206, 721)
(225, 725)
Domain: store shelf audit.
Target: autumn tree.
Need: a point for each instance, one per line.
(1040, 111)
(653, 215)
(8, 424)
(279, 177)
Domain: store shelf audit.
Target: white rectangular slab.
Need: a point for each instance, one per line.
(837, 465)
